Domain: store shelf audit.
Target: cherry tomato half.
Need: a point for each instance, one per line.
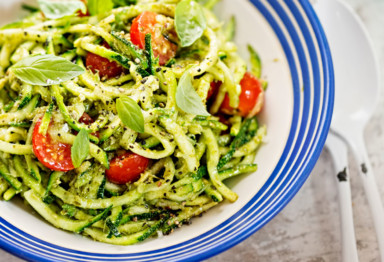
(52, 154)
(251, 98)
(213, 89)
(102, 65)
(126, 168)
(156, 25)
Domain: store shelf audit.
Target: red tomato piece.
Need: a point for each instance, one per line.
(102, 65)
(86, 119)
(81, 14)
(156, 25)
(52, 154)
(251, 98)
(213, 89)
(223, 119)
(126, 168)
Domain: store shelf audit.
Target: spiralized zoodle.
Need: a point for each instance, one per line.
(123, 100)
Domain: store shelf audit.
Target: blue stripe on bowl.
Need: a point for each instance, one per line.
(296, 163)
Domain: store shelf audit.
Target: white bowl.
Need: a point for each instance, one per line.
(298, 109)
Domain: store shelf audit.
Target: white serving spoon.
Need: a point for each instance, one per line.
(356, 96)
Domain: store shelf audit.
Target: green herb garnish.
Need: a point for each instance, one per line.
(190, 22)
(130, 114)
(187, 98)
(46, 70)
(80, 148)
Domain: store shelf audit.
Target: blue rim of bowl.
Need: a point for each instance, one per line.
(304, 43)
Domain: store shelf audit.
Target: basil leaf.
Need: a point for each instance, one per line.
(96, 7)
(80, 148)
(130, 114)
(58, 9)
(190, 22)
(187, 98)
(119, 3)
(45, 70)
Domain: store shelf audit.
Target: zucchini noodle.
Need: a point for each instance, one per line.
(190, 156)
